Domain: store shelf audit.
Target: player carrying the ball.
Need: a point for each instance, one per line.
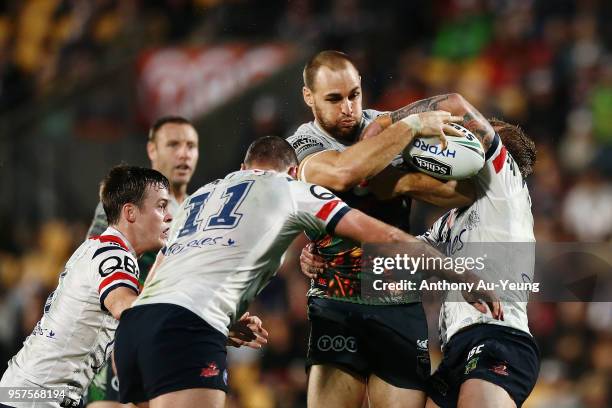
(489, 361)
(331, 154)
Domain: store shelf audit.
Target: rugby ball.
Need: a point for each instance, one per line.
(463, 157)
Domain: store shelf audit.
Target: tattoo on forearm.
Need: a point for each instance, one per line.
(423, 105)
(478, 125)
(472, 119)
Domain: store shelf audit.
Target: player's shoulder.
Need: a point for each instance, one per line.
(108, 245)
(307, 136)
(302, 190)
(501, 166)
(110, 253)
(371, 114)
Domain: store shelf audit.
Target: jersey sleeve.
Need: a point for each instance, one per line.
(113, 266)
(500, 176)
(438, 234)
(99, 222)
(305, 142)
(317, 210)
(370, 114)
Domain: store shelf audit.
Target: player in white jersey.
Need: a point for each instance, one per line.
(224, 247)
(74, 337)
(172, 148)
(488, 362)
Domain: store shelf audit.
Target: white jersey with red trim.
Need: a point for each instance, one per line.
(501, 214)
(227, 241)
(74, 337)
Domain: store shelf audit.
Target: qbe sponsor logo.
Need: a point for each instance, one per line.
(337, 343)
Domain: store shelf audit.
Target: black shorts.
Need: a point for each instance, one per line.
(161, 348)
(500, 355)
(387, 341)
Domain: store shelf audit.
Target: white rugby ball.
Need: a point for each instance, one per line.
(463, 157)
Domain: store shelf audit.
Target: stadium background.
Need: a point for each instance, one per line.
(80, 81)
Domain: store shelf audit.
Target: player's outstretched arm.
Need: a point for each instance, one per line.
(340, 171)
(392, 182)
(363, 228)
(453, 103)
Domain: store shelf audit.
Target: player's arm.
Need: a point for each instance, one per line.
(340, 171)
(453, 103)
(363, 228)
(118, 300)
(321, 212)
(116, 278)
(393, 182)
(248, 332)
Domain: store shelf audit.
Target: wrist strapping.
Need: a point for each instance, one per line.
(414, 122)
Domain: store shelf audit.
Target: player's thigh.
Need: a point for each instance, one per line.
(480, 393)
(397, 346)
(330, 386)
(383, 394)
(194, 397)
(431, 404)
(335, 338)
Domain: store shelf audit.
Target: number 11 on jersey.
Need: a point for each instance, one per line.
(226, 218)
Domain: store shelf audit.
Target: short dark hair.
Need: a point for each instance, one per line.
(127, 184)
(520, 146)
(179, 120)
(334, 60)
(272, 150)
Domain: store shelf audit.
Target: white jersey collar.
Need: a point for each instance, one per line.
(116, 233)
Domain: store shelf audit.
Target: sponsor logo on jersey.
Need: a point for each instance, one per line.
(337, 343)
(500, 369)
(475, 350)
(432, 165)
(473, 359)
(422, 344)
(434, 149)
(115, 263)
(305, 143)
(473, 220)
(177, 248)
(471, 365)
(115, 383)
(210, 371)
(40, 331)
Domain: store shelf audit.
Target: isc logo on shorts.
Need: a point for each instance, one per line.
(337, 343)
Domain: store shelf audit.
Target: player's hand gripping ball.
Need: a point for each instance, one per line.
(463, 157)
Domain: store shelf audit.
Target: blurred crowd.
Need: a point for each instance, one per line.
(46, 45)
(546, 65)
